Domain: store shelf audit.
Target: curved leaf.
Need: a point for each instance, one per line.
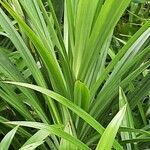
(6, 141)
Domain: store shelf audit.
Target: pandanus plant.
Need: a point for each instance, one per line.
(61, 77)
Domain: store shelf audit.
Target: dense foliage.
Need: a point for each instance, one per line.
(75, 74)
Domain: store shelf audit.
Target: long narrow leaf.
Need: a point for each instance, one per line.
(85, 116)
(111, 131)
(6, 141)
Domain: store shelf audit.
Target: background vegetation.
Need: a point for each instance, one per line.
(74, 74)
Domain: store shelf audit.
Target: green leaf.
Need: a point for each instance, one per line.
(52, 129)
(130, 130)
(140, 91)
(36, 140)
(99, 33)
(25, 52)
(48, 58)
(64, 144)
(82, 30)
(6, 141)
(127, 120)
(85, 116)
(125, 48)
(32, 146)
(81, 99)
(121, 67)
(20, 131)
(111, 131)
(81, 95)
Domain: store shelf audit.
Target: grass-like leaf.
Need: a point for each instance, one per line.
(6, 141)
(111, 131)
